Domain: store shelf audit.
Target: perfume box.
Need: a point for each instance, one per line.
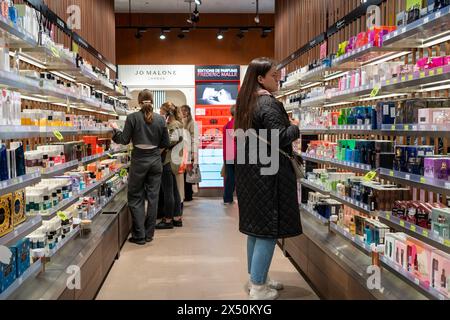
(437, 168)
(22, 249)
(18, 207)
(440, 222)
(440, 272)
(8, 273)
(419, 258)
(400, 254)
(6, 216)
(360, 224)
(389, 246)
(434, 115)
(386, 113)
(384, 160)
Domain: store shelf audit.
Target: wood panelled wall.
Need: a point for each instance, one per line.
(299, 21)
(199, 47)
(97, 26)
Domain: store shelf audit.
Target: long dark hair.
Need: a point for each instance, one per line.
(145, 100)
(246, 101)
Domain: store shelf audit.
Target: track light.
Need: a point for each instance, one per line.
(242, 33)
(257, 20)
(139, 33)
(220, 35)
(265, 32)
(162, 36)
(198, 2)
(195, 16)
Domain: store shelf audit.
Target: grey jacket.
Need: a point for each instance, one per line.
(139, 132)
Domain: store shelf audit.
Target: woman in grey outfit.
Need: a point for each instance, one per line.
(149, 135)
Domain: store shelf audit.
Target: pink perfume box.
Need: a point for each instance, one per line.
(400, 253)
(437, 168)
(419, 260)
(440, 272)
(429, 116)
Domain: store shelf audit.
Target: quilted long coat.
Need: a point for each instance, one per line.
(268, 204)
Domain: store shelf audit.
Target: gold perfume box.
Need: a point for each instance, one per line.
(6, 223)
(18, 207)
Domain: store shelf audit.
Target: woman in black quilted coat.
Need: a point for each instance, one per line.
(268, 204)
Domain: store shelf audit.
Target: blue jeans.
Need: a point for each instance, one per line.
(259, 254)
(229, 183)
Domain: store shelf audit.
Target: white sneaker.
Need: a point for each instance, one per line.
(262, 293)
(270, 283)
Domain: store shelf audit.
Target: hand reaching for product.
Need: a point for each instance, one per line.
(295, 122)
(113, 125)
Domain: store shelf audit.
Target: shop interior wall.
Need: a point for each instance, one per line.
(200, 47)
(297, 22)
(97, 26)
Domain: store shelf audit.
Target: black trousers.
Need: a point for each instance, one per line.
(188, 193)
(144, 182)
(172, 200)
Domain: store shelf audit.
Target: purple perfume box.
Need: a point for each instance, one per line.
(437, 168)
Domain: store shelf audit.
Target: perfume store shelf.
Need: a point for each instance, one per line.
(69, 237)
(25, 132)
(21, 231)
(338, 269)
(15, 37)
(415, 231)
(313, 213)
(18, 183)
(353, 166)
(94, 252)
(60, 169)
(414, 34)
(434, 185)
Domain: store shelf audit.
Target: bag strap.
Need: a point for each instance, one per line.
(268, 143)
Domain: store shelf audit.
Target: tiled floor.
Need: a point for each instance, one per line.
(204, 260)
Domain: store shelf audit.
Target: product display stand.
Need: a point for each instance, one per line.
(325, 93)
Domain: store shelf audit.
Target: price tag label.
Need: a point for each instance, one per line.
(123, 173)
(402, 223)
(370, 176)
(406, 127)
(393, 127)
(407, 176)
(55, 52)
(422, 75)
(410, 77)
(62, 216)
(375, 92)
(403, 78)
(404, 30)
(426, 20)
(388, 82)
(438, 14)
(447, 242)
(416, 281)
(391, 173)
(423, 180)
(413, 228)
(431, 73)
(425, 233)
(58, 135)
(440, 71)
(388, 217)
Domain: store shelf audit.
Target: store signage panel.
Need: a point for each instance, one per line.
(157, 75)
(218, 73)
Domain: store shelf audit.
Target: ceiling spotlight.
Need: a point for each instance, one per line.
(242, 32)
(162, 36)
(139, 33)
(257, 21)
(198, 2)
(219, 35)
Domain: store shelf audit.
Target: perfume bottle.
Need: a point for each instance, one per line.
(352, 227)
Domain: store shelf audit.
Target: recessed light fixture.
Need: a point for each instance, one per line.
(220, 35)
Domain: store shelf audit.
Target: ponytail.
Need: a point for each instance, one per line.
(147, 109)
(145, 100)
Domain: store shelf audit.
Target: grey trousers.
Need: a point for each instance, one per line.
(144, 182)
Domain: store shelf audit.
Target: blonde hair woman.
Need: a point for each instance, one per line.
(172, 160)
(148, 132)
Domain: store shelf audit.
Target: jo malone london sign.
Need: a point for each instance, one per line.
(157, 75)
